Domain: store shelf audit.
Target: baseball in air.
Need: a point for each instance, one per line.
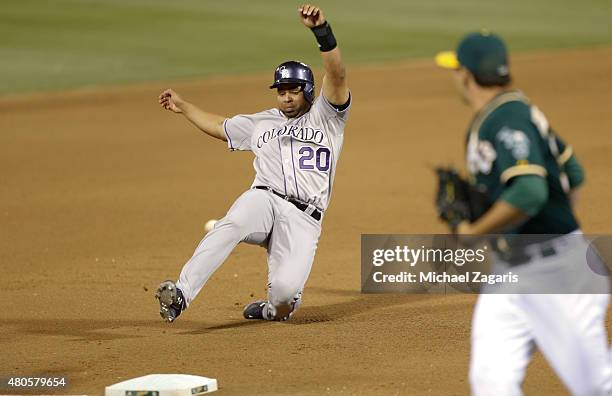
(210, 224)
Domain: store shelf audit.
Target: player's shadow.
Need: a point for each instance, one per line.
(232, 325)
(359, 304)
(90, 330)
(75, 329)
(307, 315)
(100, 330)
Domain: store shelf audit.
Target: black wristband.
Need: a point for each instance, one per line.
(325, 37)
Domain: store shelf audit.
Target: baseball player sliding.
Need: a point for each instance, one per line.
(530, 178)
(296, 149)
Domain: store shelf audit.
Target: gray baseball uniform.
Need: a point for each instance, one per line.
(294, 157)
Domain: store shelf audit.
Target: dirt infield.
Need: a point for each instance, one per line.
(103, 195)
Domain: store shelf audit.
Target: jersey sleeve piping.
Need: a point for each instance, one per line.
(565, 156)
(519, 170)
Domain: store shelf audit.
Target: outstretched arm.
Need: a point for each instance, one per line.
(211, 124)
(335, 88)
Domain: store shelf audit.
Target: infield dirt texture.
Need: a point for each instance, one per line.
(103, 194)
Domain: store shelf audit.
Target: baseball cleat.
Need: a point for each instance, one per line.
(254, 310)
(171, 301)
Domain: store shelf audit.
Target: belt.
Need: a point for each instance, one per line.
(520, 256)
(309, 209)
(536, 250)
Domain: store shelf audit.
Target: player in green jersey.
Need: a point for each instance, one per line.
(531, 178)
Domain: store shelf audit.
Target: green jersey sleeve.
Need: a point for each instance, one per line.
(517, 145)
(527, 193)
(568, 163)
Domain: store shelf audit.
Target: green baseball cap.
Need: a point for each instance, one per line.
(484, 54)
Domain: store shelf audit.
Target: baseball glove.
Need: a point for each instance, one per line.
(457, 200)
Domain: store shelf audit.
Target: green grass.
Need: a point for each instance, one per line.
(59, 44)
